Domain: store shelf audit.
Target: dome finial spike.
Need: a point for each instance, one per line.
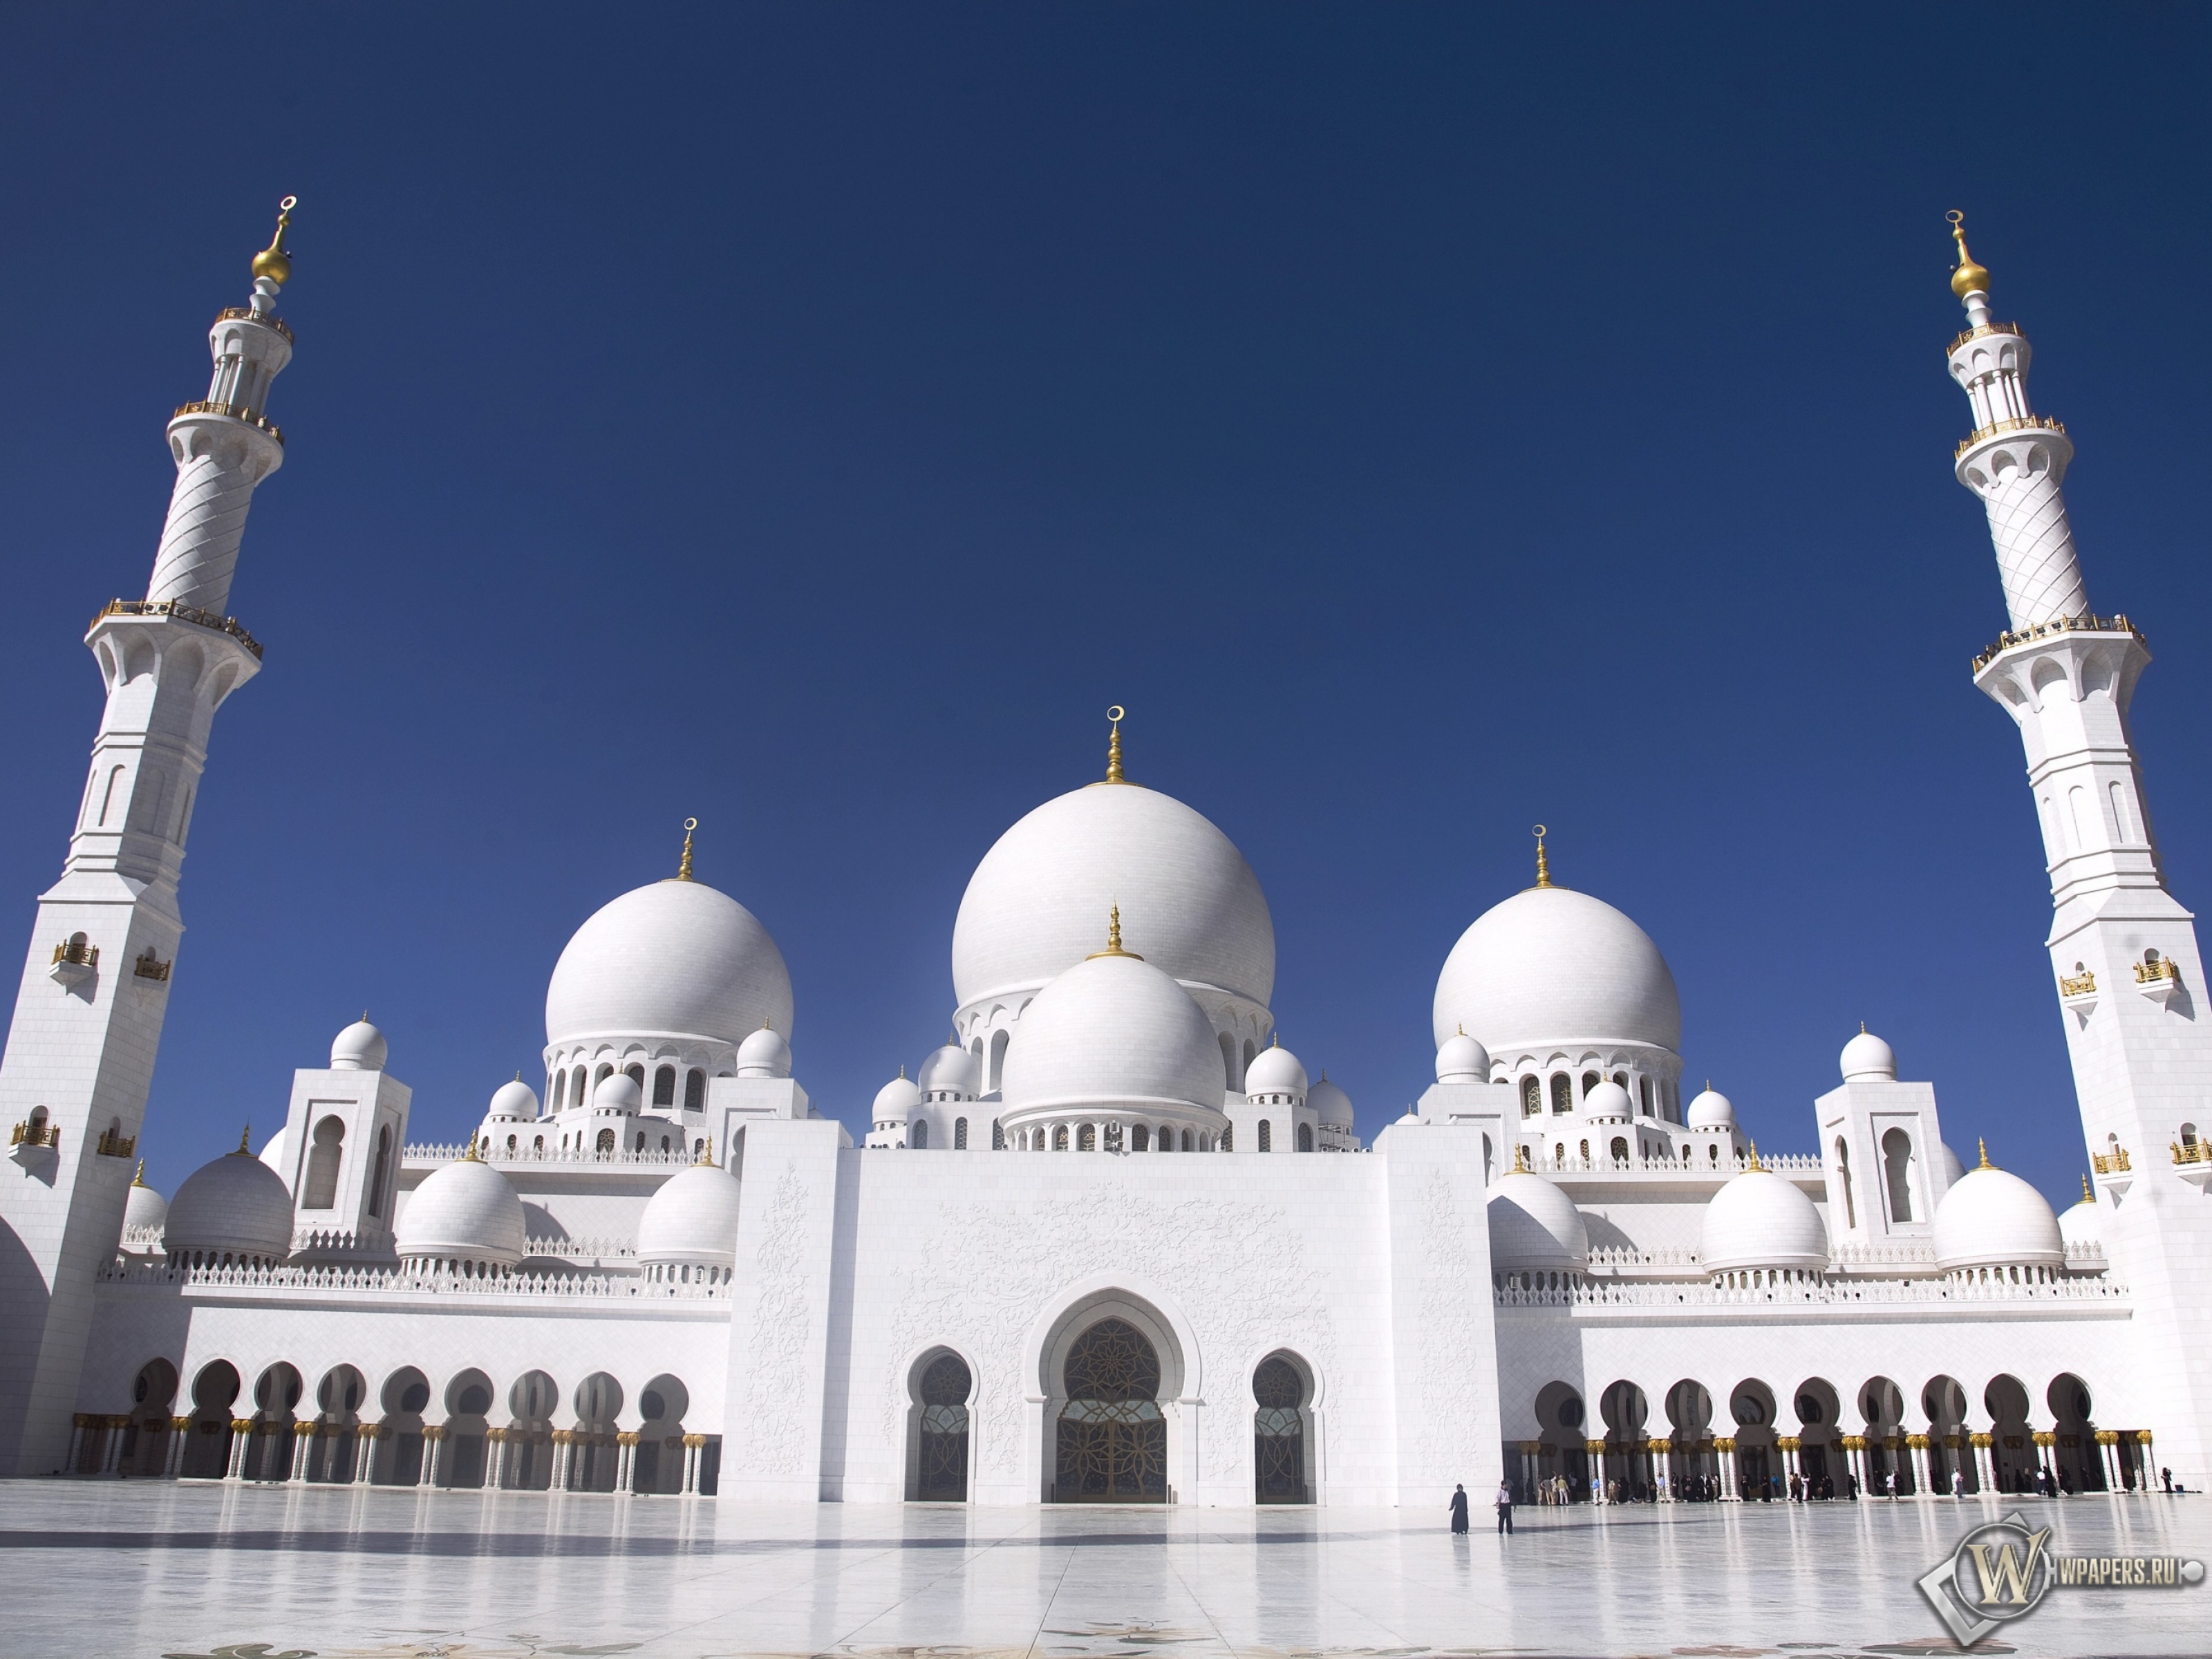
(139, 1180)
(1543, 864)
(1967, 278)
(245, 1136)
(1520, 1158)
(2088, 1197)
(1755, 1164)
(1115, 716)
(275, 261)
(684, 864)
(1114, 939)
(1984, 1146)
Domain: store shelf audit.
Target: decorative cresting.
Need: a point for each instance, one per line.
(2015, 460)
(1278, 1434)
(942, 1475)
(1113, 1445)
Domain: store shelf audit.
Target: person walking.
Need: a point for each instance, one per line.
(1504, 1501)
(1459, 1509)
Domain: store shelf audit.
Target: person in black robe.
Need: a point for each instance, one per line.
(1459, 1509)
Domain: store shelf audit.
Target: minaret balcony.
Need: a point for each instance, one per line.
(183, 613)
(2014, 329)
(74, 961)
(2193, 1162)
(2158, 979)
(2077, 994)
(2084, 624)
(238, 412)
(2011, 423)
(248, 315)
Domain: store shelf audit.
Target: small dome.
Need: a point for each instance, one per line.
(272, 1150)
(1712, 1110)
(2084, 1223)
(1954, 1172)
(949, 1070)
(360, 1048)
(143, 1207)
(1275, 1072)
(1551, 965)
(1463, 1060)
(1867, 1059)
(1761, 1220)
(676, 958)
(1114, 1032)
(896, 1100)
(1535, 1227)
(618, 1091)
(1608, 1102)
(764, 1054)
(466, 1211)
(515, 1100)
(1330, 1103)
(1991, 1218)
(692, 1219)
(236, 1205)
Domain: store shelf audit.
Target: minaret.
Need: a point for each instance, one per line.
(2125, 965)
(80, 1055)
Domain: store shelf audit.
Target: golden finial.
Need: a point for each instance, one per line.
(1543, 864)
(139, 1180)
(706, 1155)
(1520, 1158)
(1117, 714)
(684, 864)
(1114, 939)
(275, 261)
(1969, 277)
(2088, 1197)
(244, 1135)
(469, 1152)
(1755, 1164)
(1984, 1146)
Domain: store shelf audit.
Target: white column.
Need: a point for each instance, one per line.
(241, 1442)
(432, 1435)
(303, 1436)
(364, 1454)
(692, 1445)
(180, 1440)
(111, 1453)
(625, 1461)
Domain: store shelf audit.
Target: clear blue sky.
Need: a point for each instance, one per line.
(1427, 420)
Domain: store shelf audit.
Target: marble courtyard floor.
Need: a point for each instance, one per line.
(132, 1569)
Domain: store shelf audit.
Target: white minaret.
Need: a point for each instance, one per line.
(2124, 961)
(80, 1054)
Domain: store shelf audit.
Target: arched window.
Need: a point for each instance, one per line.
(664, 1086)
(606, 1145)
(1305, 1137)
(1644, 1094)
(641, 1141)
(998, 1061)
(322, 1187)
(1844, 1176)
(664, 1142)
(959, 1134)
(941, 1472)
(695, 1090)
(2189, 1134)
(1059, 1137)
(512, 1142)
(1622, 1077)
(1619, 1150)
(1897, 1173)
(1563, 1093)
(1229, 1139)
(1249, 1050)
(559, 1089)
(1590, 1080)
(636, 1072)
(1585, 1151)
(1086, 1138)
(1186, 1140)
(1278, 1433)
(1140, 1138)
(917, 1134)
(1531, 1096)
(383, 1168)
(1267, 1136)
(1228, 1059)
(604, 1071)
(1713, 1153)
(998, 1136)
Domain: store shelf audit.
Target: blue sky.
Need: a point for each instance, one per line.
(1426, 420)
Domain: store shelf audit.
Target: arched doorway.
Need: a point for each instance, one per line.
(1279, 1394)
(2012, 1442)
(940, 1430)
(269, 1455)
(399, 1434)
(526, 1457)
(1112, 1440)
(146, 1435)
(593, 1441)
(1626, 1460)
(2074, 1455)
(1693, 1466)
(1757, 1476)
(658, 1466)
(1881, 1402)
(1821, 1458)
(208, 1455)
(1950, 1451)
(1563, 1466)
(338, 1399)
(468, 1429)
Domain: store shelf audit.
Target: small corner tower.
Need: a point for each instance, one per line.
(2124, 963)
(88, 1013)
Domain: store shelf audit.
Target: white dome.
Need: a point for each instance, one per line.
(466, 1211)
(1276, 1071)
(1036, 904)
(895, 1099)
(1867, 1058)
(1550, 965)
(513, 1101)
(1991, 1218)
(764, 1054)
(1954, 1172)
(143, 1207)
(1535, 1227)
(272, 1150)
(2083, 1223)
(236, 1205)
(692, 1218)
(1463, 1060)
(1761, 1220)
(1608, 1102)
(1712, 1110)
(360, 1048)
(1114, 1032)
(949, 1070)
(618, 1091)
(677, 958)
(1330, 1103)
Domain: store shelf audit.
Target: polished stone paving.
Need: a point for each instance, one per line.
(130, 1568)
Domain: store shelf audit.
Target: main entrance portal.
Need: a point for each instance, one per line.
(1113, 1441)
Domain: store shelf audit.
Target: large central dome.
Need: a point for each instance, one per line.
(1190, 905)
(1550, 965)
(677, 958)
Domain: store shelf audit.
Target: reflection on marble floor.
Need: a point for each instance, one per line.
(232, 1572)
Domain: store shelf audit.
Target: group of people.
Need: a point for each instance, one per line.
(1504, 1503)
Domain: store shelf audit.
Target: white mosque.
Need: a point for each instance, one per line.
(1113, 1243)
